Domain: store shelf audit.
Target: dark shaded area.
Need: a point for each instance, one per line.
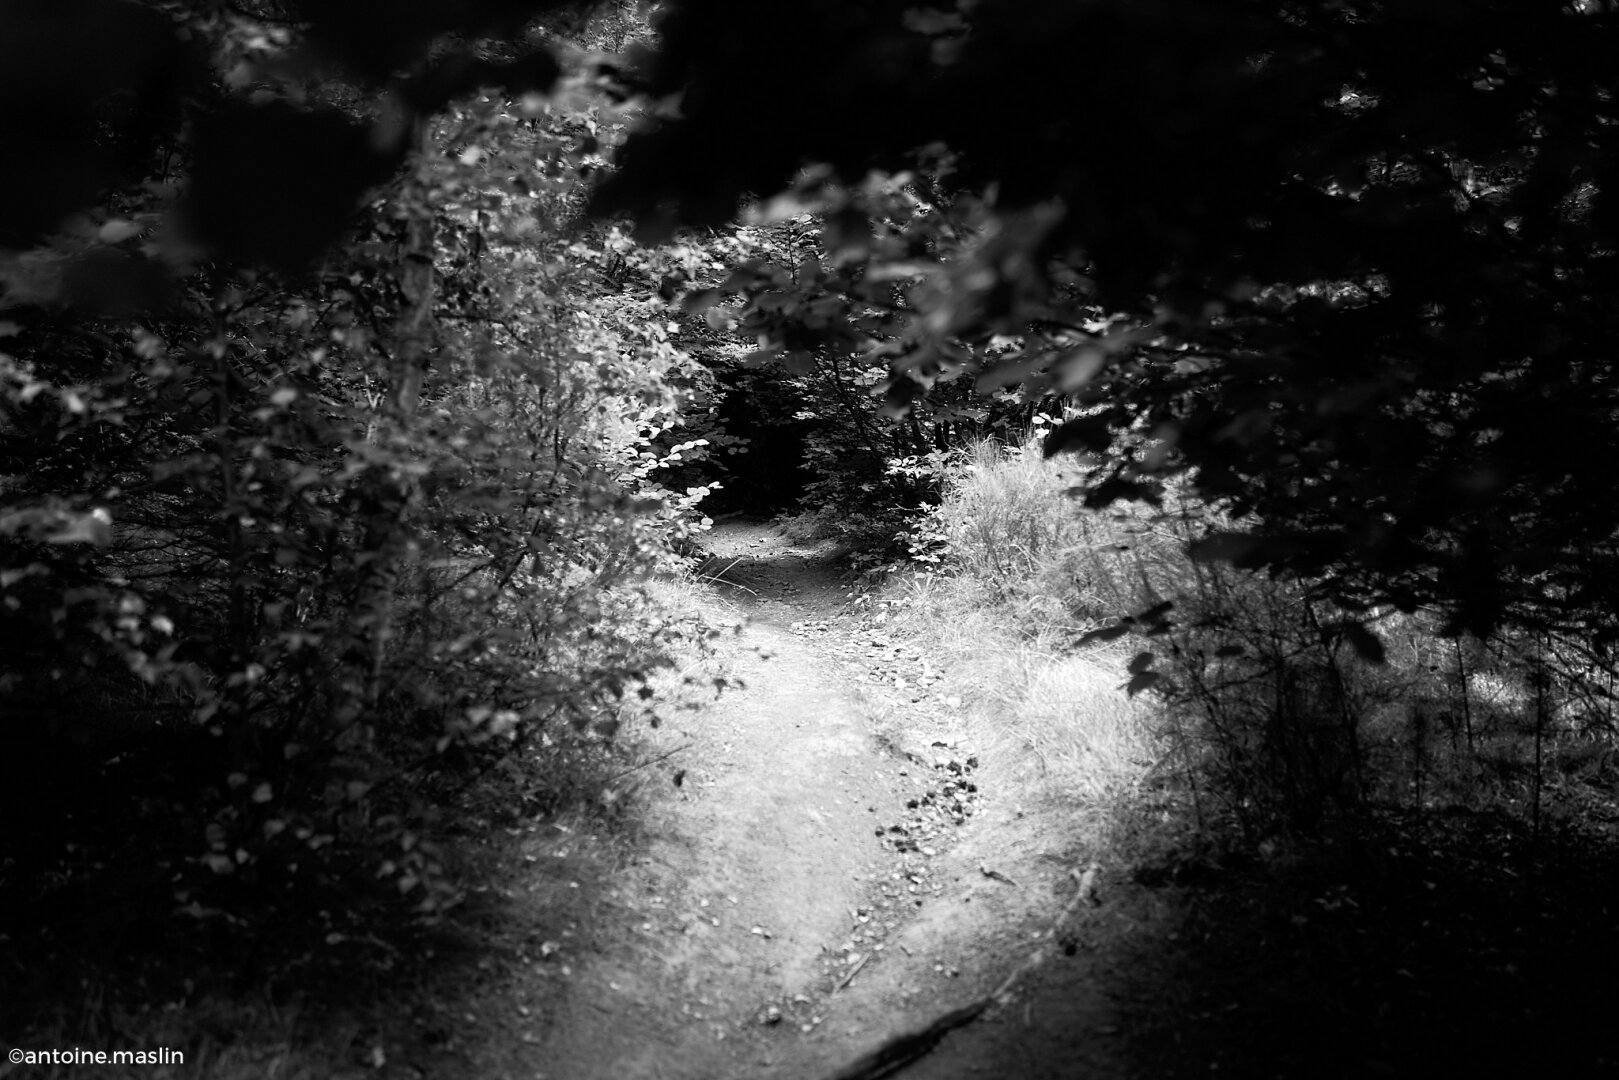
(117, 284)
(773, 576)
(102, 867)
(276, 183)
(770, 476)
(111, 936)
(1435, 945)
(91, 90)
(1190, 149)
(87, 89)
(845, 81)
(534, 71)
(1357, 241)
(375, 39)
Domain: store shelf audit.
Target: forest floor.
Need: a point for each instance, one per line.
(818, 874)
(823, 869)
(815, 872)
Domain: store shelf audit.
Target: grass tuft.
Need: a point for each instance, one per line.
(1019, 572)
(1260, 709)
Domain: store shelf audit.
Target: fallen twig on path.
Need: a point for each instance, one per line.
(996, 875)
(849, 975)
(719, 576)
(651, 761)
(904, 1050)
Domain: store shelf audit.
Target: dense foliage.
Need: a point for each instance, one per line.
(299, 541)
(332, 428)
(1299, 246)
(1302, 249)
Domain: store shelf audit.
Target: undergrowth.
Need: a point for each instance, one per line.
(1119, 669)
(1387, 848)
(998, 593)
(326, 976)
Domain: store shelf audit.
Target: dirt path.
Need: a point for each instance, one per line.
(813, 886)
(836, 869)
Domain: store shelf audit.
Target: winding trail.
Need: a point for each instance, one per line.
(811, 885)
(812, 888)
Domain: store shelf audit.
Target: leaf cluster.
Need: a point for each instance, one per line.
(301, 540)
(1345, 263)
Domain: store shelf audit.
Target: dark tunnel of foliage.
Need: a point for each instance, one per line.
(346, 390)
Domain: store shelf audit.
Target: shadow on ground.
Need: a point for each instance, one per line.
(106, 943)
(1433, 946)
(768, 571)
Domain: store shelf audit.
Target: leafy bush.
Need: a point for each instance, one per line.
(291, 561)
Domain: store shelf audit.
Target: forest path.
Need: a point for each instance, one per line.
(816, 884)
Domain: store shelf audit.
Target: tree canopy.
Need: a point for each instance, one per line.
(359, 361)
(1347, 262)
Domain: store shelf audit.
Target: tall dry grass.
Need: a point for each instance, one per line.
(1011, 529)
(1022, 570)
(1264, 712)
